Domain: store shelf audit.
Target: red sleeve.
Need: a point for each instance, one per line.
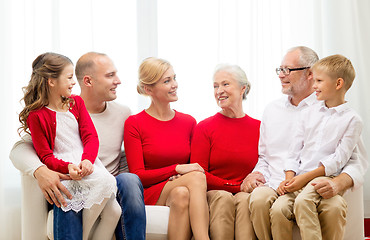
(89, 136)
(200, 153)
(135, 160)
(42, 138)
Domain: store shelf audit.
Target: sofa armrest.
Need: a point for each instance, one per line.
(355, 214)
(34, 210)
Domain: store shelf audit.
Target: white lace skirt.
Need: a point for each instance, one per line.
(91, 189)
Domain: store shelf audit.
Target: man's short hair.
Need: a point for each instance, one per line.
(337, 66)
(307, 56)
(85, 64)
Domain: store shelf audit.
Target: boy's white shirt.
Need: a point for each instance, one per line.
(276, 134)
(324, 136)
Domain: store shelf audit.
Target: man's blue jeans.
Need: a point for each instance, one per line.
(131, 198)
(67, 225)
(132, 225)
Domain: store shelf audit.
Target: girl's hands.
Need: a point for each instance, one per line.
(86, 168)
(186, 168)
(83, 169)
(74, 172)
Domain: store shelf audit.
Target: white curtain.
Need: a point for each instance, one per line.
(193, 35)
(29, 28)
(197, 35)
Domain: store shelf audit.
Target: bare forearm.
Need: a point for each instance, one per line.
(320, 171)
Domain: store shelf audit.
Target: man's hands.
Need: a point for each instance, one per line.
(251, 181)
(50, 185)
(326, 188)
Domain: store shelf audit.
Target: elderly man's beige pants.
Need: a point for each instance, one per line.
(229, 216)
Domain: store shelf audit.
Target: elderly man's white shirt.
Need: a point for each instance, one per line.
(276, 137)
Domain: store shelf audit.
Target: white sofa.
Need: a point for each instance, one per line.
(36, 226)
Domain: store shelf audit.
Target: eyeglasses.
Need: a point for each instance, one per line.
(286, 71)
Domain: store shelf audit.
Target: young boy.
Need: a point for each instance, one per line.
(326, 135)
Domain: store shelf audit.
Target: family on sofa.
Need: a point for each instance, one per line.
(228, 177)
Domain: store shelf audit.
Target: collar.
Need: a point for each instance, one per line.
(308, 101)
(339, 109)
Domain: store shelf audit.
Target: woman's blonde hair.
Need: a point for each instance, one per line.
(151, 71)
(45, 66)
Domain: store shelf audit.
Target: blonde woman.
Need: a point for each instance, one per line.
(157, 144)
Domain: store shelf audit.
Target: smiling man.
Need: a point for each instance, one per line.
(98, 79)
(276, 135)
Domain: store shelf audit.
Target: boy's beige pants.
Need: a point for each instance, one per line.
(316, 217)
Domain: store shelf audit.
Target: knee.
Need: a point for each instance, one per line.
(223, 197)
(129, 183)
(179, 199)
(336, 210)
(260, 200)
(112, 210)
(242, 200)
(128, 179)
(278, 211)
(222, 201)
(302, 203)
(198, 180)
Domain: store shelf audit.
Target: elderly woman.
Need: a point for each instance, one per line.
(157, 144)
(226, 147)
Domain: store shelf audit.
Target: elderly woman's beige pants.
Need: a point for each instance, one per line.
(229, 216)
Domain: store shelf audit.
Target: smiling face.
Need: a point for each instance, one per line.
(165, 90)
(104, 79)
(325, 86)
(295, 83)
(227, 91)
(65, 82)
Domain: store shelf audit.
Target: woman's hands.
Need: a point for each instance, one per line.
(85, 168)
(186, 168)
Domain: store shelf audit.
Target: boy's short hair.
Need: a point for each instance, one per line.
(337, 66)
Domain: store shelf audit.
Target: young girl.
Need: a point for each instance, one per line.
(66, 141)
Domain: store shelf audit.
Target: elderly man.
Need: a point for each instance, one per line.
(275, 138)
(98, 80)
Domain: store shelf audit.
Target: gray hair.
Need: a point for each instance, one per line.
(307, 56)
(238, 74)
